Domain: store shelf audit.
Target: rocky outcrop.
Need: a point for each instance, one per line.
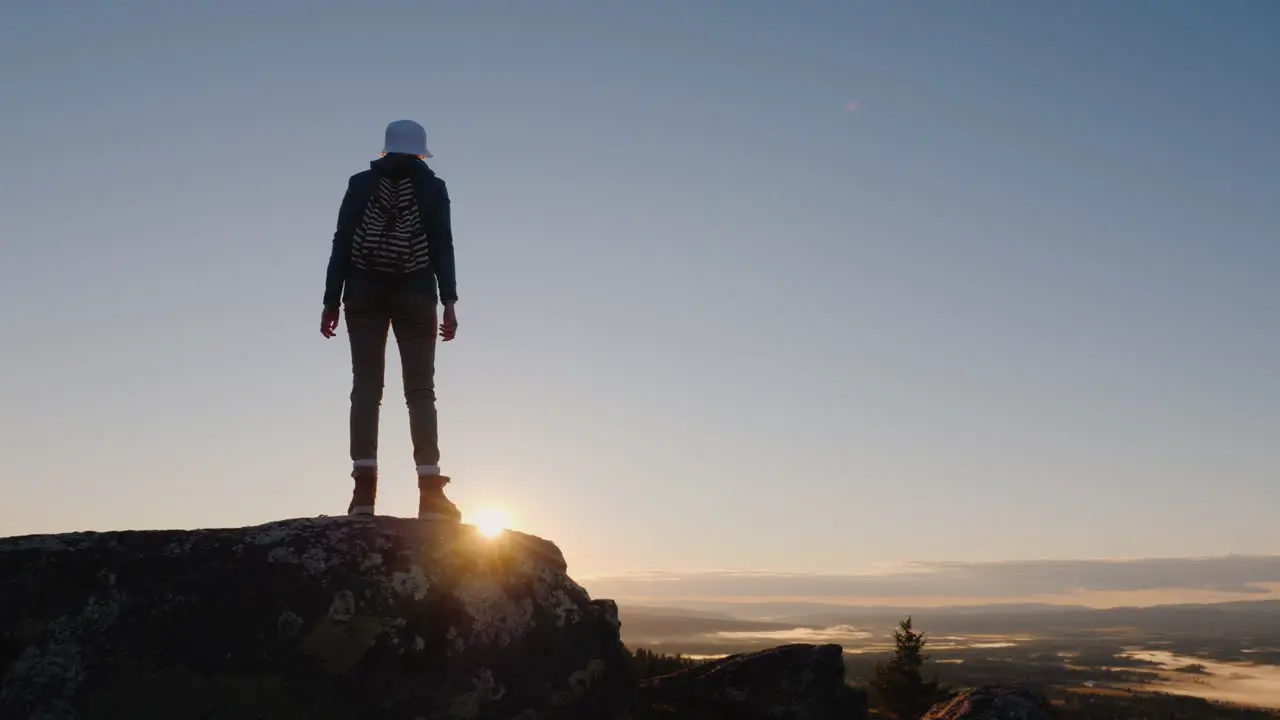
(351, 618)
(311, 618)
(994, 703)
(792, 682)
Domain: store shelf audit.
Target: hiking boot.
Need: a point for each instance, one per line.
(364, 493)
(432, 504)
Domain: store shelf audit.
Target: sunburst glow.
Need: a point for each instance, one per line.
(491, 522)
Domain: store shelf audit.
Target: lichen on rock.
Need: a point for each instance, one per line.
(307, 618)
(413, 583)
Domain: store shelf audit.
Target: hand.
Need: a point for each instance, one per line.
(329, 322)
(449, 328)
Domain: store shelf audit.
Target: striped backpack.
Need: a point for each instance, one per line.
(390, 237)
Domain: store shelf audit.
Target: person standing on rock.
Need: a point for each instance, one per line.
(393, 255)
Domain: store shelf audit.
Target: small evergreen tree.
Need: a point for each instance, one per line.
(898, 684)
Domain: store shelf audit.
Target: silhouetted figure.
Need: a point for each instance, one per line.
(393, 256)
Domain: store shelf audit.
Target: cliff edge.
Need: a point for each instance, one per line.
(309, 618)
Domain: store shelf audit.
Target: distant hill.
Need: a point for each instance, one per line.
(821, 613)
(657, 626)
(663, 610)
(709, 618)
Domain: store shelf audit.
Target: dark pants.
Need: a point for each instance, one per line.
(372, 308)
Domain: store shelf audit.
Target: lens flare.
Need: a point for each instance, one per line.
(491, 522)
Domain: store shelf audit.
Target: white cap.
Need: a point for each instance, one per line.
(408, 137)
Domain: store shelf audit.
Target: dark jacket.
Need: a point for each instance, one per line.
(433, 205)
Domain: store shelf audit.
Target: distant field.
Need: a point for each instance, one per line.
(1175, 667)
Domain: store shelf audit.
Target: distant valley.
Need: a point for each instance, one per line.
(1227, 652)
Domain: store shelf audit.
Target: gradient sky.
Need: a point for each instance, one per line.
(797, 287)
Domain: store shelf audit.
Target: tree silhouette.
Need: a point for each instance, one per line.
(898, 684)
(648, 663)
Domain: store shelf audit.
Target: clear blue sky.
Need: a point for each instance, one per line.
(1021, 295)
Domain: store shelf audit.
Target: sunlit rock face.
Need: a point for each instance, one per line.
(994, 703)
(311, 618)
(789, 682)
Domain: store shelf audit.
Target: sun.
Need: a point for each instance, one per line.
(491, 522)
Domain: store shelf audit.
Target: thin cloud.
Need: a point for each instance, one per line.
(851, 107)
(1246, 576)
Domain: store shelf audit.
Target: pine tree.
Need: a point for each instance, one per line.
(648, 663)
(898, 684)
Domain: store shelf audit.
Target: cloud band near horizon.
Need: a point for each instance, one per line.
(1247, 576)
